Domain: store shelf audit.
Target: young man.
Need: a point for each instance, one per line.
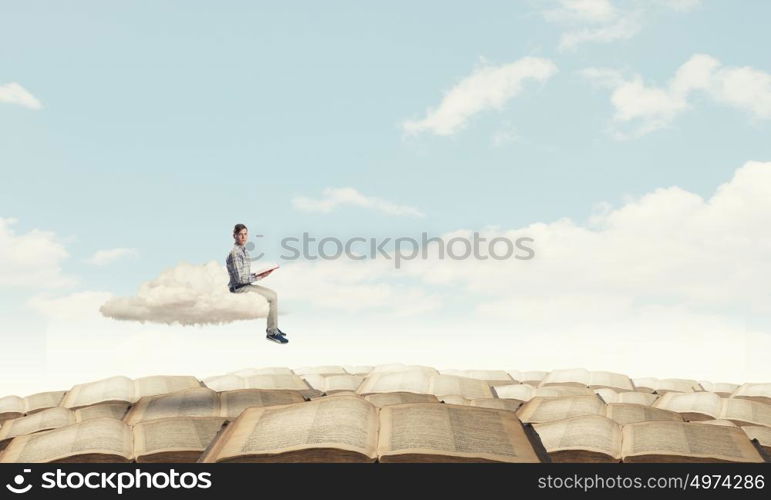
(241, 281)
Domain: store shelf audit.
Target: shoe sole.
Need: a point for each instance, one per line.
(277, 341)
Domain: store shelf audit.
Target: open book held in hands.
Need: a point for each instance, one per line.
(264, 272)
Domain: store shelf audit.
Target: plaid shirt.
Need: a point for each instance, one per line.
(238, 266)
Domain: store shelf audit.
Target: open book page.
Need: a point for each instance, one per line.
(532, 377)
(722, 389)
(225, 383)
(232, 403)
(759, 432)
(417, 381)
(635, 397)
(398, 367)
(163, 384)
(397, 398)
(610, 379)
(11, 407)
(607, 395)
(560, 391)
(341, 422)
(175, 434)
(320, 370)
(645, 384)
(104, 410)
(520, 392)
(626, 413)
(99, 436)
(198, 402)
(593, 433)
(540, 409)
(362, 370)
(453, 399)
(52, 418)
(572, 376)
(718, 421)
(677, 385)
(693, 405)
(745, 411)
(492, 377)
(469, 388)
(43, 400)
(500, 404)
(342, 382)
(282, 381)
(758, 392)
(683, 439)
(111, 389)
(452, 431)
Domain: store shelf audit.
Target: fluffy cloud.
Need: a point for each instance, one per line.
(32, 259)
(652, 107)
(189, 295)
(604, 21)
(104, 257)
(336, 197)
(13, 93)
(488, 87)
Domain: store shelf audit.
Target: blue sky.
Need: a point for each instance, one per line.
(164, 123)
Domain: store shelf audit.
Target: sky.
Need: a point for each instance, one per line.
(628, 139)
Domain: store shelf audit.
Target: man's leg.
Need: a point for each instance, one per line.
(272, 299)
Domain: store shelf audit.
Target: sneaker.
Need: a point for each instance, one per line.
(275, 337)
(276, 331)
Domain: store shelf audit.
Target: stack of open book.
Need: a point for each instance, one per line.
(391, 413)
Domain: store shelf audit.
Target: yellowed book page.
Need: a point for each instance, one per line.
(346, 382)
(52, 418)
(104, 410)
(43, 400)
(362, 370)
(280, 381)
(560, 391)
(320, 370)
(500, 404)
(533, 376)
(398, 367)
(342, 422)
(541, 409)
(634, 397)
(270, 370)
(232, 403)
(521, 392)
(455, 431)
(198, 402)
(163, 384)
(469, 388)
(398, 398)
(627, 413)
(678, 385)
(455, 400)
(761, 392)
(759, 432)
(225, 383)
(12, 404)
(746, 411)
(607, 395)
(688, 440)
(610, 379)
(315, 381)
(649, 383)
(718, 421)
(109, 389)
(493, 377)
(704, 403)
(417, 381)
(572, 376)
(588, 432)
(175, 434)
(723, 388)
(103, 435)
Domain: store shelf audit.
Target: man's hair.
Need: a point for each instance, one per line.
(237, 228)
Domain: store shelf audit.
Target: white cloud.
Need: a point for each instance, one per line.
(488, 87)
(72, 307)
(104, 257)
(13, 93)
(32, 259)
(650, 107)
(604, 21)
(347, 196)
